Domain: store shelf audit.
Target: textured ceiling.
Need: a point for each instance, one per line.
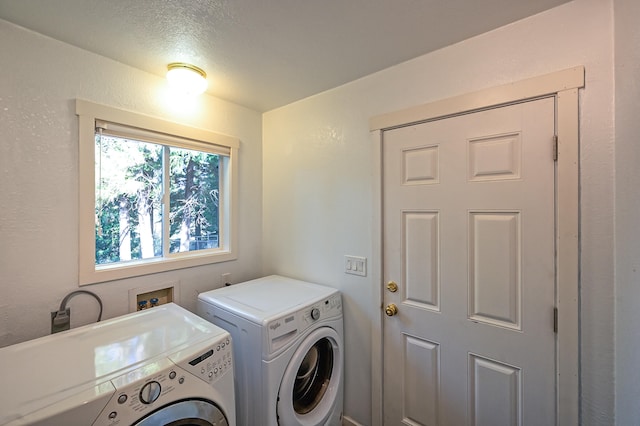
(267, 53)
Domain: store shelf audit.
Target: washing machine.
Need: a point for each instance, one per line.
(288, 348)
(160, 366)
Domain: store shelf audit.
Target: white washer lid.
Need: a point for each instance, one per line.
(50, 369)
(266, 298)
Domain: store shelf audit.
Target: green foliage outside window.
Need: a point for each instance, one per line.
(131, 179)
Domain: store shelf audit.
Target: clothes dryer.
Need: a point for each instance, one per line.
(288, 348)
(160, 366)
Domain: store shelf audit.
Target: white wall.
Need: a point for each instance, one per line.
(40, 79)
(627, 208)
(318, 180)
(318, 176)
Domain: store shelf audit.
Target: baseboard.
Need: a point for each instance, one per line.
(346, 421)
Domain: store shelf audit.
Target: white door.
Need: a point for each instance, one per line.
(468, 236)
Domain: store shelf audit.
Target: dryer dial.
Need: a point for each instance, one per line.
(150, 392)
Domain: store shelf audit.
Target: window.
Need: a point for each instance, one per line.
(154, 195)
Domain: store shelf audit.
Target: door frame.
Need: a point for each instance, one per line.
(564, 87)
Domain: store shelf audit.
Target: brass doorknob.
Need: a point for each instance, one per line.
(392, 286)
(391, 310)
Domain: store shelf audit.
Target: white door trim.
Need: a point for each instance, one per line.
(564, 86)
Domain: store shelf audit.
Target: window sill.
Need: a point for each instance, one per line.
(111, 272)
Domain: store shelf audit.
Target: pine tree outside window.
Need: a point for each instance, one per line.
(162, 195)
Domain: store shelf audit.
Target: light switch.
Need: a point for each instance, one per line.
(355, 265)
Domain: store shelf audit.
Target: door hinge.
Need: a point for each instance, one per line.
(555, 147)
(555, 320)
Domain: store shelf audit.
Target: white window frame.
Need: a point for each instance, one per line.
(88, 272)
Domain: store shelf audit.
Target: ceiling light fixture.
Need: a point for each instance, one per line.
(187, 78)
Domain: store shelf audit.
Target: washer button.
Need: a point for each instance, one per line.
(122, 399)
(172, 375)
(113, 415)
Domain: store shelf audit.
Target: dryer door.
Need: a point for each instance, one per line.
(189, 412)
(311, 382)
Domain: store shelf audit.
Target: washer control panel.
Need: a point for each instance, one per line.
(327, 308)
(280, 331)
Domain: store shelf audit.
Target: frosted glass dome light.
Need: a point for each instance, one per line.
(187, 78)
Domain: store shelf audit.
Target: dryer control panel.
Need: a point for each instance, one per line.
(155, 384)
(211, 363)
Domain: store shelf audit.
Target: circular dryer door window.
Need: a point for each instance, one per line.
(189, 412)
(311, 381)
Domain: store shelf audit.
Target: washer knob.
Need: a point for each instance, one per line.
(315, 313)
(150, 392)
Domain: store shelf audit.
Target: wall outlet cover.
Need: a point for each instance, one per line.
(225, 279)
